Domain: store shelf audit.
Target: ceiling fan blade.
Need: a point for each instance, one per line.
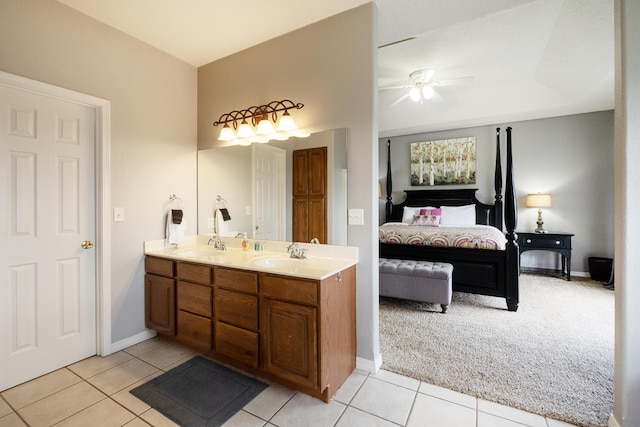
(399, 100)
(455, 81)
(436, 98)
(394, 87)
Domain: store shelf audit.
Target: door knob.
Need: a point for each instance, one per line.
(87, 244)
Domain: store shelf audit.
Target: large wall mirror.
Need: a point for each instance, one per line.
(255, 184)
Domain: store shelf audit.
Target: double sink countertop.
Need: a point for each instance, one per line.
(322, 261)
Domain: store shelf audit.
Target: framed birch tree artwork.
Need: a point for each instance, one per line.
(444, 162)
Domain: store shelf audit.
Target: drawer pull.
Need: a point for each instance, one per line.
(528, 240)
(557, 242)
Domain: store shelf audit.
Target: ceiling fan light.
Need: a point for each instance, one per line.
(427, 92)
(414, 93)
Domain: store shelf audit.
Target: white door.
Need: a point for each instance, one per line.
(47, 204)
(269, 201)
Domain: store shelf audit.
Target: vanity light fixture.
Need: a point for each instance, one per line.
(256, 124)
(539, 201)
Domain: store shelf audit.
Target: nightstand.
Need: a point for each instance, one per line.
(554, 242)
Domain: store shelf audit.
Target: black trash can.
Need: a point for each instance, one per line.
(600, 268)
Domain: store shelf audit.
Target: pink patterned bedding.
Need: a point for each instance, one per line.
(471, 236)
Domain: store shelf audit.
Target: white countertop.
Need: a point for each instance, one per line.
(322, 260)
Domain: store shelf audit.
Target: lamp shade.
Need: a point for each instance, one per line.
(539, 200)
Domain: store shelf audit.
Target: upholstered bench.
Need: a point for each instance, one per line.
(422, 281)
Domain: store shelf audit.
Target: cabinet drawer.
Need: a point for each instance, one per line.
(196, 273)
(237, 308)
(560, 242)
(195, 329)
(237, 343)
(236, 279)
(195, 298)
(160, 266)
(289, 289)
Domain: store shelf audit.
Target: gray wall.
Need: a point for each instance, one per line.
(570, 157)
(329, 67)
(153, 126)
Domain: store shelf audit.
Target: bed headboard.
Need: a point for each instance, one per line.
(485, 214)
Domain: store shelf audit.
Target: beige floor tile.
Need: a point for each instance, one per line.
(61, 405)
(244, 419)
(156, 419)
(122, 376)
(431, 411)
(269, 401)
(393, 378)
(353, 417)
(4, 408)
(161, 357)
(179, 362)
(303, 410)
(136, 422)
(129, 401)
(94, 365)
(386, 400)
(12, 420)
(350, 387)
(105, 413)
(522, 417)
(145, 346)
(46, 385)
(450, 395)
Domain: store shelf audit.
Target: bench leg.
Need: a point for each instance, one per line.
(444, 307)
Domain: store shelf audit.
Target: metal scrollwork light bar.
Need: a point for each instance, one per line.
(254, 124)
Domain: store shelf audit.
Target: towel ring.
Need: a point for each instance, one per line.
(175, 202)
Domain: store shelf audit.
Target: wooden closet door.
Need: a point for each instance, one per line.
(310, 194)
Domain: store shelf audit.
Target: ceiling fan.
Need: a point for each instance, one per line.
(422, 87)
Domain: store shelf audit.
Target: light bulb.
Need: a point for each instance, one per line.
(245, 130)
(427, 92)
(286, 123)
(226, 133)
(414, 93)
(265, 127)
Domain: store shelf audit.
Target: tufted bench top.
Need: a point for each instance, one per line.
(435, 270)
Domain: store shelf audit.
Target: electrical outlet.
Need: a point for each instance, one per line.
(209, 222)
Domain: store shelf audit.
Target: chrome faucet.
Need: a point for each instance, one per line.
(296, 251)
(315, 241)
(217, 243)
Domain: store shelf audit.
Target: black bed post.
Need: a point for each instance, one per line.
(389, 205)
(511, 222)
(497, 183)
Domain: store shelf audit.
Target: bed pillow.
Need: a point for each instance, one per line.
(409, 212)
(427, 218)
(458, 215)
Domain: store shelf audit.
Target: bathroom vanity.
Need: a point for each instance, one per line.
(292, 321)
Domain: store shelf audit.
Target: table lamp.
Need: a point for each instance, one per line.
(539, 201)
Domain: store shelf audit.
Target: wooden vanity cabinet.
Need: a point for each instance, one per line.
(299, 332)
(194, 302)
(160, 291)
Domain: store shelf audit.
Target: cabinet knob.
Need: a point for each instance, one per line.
(528, 240)
(557, 242)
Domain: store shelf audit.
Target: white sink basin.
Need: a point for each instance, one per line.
(277, 262)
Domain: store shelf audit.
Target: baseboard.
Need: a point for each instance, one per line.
(369, 365)
(136, 339)
(613, 422)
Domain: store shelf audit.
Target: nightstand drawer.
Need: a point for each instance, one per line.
(545, 241)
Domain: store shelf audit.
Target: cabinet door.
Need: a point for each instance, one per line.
(317, 219)
(318, 171)
(160, 303)
(300, 226)
(300, 171)
(290, 346)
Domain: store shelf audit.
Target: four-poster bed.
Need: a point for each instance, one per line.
(493, 272)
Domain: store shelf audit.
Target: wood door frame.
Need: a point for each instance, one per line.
(102, 161)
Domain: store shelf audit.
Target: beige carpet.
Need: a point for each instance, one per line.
(553, 357)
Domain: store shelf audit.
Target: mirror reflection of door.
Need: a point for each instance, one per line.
(269, 203)
(310, 195)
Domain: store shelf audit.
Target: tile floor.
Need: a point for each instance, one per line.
(95, 392)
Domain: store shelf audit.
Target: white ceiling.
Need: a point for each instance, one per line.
(529, 59)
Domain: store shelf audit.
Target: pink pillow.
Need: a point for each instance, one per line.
(427, 217)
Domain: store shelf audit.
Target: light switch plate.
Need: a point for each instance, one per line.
(118, 214)
(356, 216)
